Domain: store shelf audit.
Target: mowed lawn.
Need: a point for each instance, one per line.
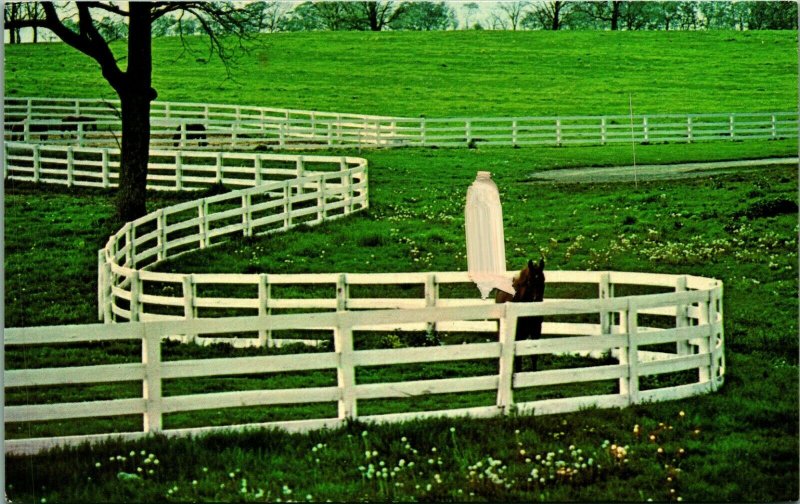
(445, 74)
(737, 444)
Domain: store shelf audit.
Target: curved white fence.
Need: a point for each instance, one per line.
(96, 123)
(696, 336)
(280, 192)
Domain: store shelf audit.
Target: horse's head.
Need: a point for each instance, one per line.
(530, 283)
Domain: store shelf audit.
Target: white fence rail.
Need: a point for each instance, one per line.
(695, 306)
(215, 127)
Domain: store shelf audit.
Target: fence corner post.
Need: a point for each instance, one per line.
(508, 332)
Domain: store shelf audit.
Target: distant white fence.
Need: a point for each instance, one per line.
(695, 307)
(96, 123)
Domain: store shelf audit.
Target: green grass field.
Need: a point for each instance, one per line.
(445, 74)
(738, 444)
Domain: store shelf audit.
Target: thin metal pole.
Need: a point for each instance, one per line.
(633, 143)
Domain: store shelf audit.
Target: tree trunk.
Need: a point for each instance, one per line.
(372, 15)
(615, 6)
(556, 15)
(135, 95)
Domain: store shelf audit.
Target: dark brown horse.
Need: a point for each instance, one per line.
(529, 287)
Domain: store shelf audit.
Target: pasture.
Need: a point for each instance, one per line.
(739, 443)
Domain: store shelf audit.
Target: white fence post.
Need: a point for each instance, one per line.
(70, 166)
(81, 135)
(129, 243)
(136, 290)
(178, 171)
(151, 358)
(431, 296)
(646, 129)
(108, 280)
(202, 212)
(258, 168)
(717, 339)
(682, 317)
(514, 132)
(632, 355)
(508, 332)
(161, 235)
(558, 132)
(301, 169)
(264, 310)
(732, 133)
(774, 128)
(604, 292)
(704, 373)
(101, 283)
(106, 174)
(189, 310)
(219, 168)
(37, 164)
(423, 132)
(468, 131)
(342, 292)
(183, 135)
(603, 131)
(246, 229)
(287, 205)
(689, 135)
(282, 133)
(345, 371)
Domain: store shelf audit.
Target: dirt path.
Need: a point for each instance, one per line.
(654, 172)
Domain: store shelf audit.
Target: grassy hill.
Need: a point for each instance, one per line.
(454, 73)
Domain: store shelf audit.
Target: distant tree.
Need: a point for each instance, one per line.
(34, 11)
(470, 9)
(424, 16)
(776, 15)
(304, 17)
(515, 11)
(598, 14)
(12, 15)
(547, 15)
(373, 16)
(134, 84)
(18, 15)
(263, 16)
(498, 22)
(725, 15)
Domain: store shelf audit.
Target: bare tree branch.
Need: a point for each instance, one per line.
(115, 9)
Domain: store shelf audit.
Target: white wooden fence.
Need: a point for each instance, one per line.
(695, 306)
(280, 192)
(248, 127)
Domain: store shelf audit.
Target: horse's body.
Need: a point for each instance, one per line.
(529, 287)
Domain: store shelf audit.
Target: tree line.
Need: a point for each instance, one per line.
(280, 16)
